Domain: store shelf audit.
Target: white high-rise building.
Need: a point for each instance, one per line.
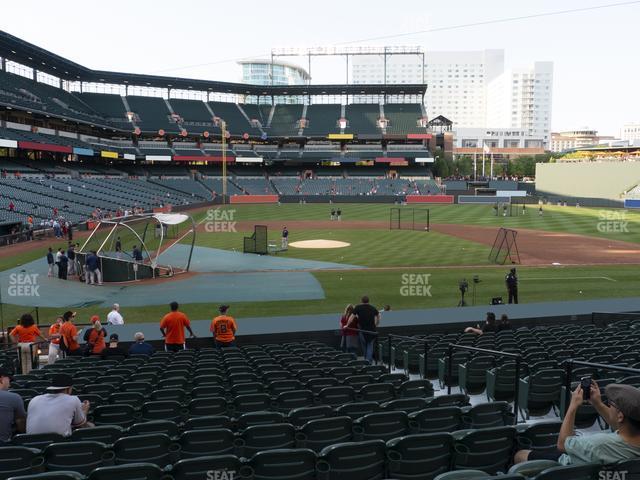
(631, 132)
(457, 81)
(521, 98)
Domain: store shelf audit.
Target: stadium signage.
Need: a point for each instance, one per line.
(8, 143)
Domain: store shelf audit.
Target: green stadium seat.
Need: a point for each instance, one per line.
(465, 475)
(19, 460)
(472, 374)
(405, 405)
(358, 409)
(531, 468)
(133, 471)
(206, 406)
(156, 448)
(485, 415)
(259, 418)
(501, 382)
(66, 475)
(198, 468)
(163, 410)
(121, 415)
(80, 457)
(381, 425)
(265, 437)
(538, 436)
(247, 388)
(317, 434)
(540, 392)
(135, 399)
(288, 400)
(376, 392)
(419, 456)
(352, 460)
(278, 464)
(488, 449)
(256, 402)
(336, 396)
(36, 440)
(168, 427)
(208, 421)
(570, 472)
(453, 400)
(105, 434)
(276, 387)
(198, 443)
(300, 416)
(316, 384)
(415, 388)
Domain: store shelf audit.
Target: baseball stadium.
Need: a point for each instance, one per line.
(282, 205)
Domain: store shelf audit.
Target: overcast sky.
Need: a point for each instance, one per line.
(596, 78)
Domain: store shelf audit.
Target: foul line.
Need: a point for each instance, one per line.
(569, 278)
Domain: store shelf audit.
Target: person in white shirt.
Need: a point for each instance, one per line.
(57, 411)
(114, 317)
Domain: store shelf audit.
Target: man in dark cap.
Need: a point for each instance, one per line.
(57, 411)
(623, 415)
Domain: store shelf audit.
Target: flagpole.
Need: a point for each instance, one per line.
(483, 147)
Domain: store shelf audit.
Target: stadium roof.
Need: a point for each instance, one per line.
(14, 49)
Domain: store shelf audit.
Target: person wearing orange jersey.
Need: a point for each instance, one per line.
(25, 334)
(224, 328)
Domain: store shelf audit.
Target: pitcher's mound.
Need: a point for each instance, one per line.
(319, 244)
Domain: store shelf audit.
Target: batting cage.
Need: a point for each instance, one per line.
(258, 242)
(505, 247)
(409, 219)
(141, 246)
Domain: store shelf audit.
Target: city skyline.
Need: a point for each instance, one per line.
(593, 70)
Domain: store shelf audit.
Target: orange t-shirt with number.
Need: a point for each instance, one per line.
(224, 328)
(25, 334)
(173, 324)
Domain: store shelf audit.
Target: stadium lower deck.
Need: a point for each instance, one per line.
(306, 410)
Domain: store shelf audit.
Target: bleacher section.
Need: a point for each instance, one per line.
(285, 122)
(301, 410)
(237, 124)
(152, 114)
(196, 118)
(110, 107)
(363, 119)
(403, 118)
(322, 120)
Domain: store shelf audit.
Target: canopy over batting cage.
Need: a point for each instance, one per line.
(407, 218)
(162, 242)
(505, 247)
(258, 242)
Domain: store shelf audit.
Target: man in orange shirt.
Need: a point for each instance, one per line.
(172, 327)
(69, 335)
(224, 328)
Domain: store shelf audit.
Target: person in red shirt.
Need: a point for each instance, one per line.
(350, 340)
(11, 206)
(69, 335)
(172, 328)
(25, 334)
(54, 340)
(224, 328)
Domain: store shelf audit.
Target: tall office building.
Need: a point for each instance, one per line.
(521, 98)
(457, 81)
(263, 72)
(631, 133)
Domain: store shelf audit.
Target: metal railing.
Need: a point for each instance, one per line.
(370, 332)
(35, 359)
(569, 364)
(605, 318)
(412, 339)
(517, 357)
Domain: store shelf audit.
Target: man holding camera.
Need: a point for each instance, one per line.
(623, 415)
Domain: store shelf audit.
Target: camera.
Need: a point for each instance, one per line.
(476, 279)
(463, 285)
(585, 383)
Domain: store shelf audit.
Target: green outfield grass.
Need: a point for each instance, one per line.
(389, 255)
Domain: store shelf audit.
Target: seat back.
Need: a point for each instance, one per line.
(292, 464)
(419, 456)
(317, 434)
(80, 457)
(198, 443)
(432, 420)
(352, 460)
(488, 449)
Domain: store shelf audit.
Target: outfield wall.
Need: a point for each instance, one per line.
(606, 180)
